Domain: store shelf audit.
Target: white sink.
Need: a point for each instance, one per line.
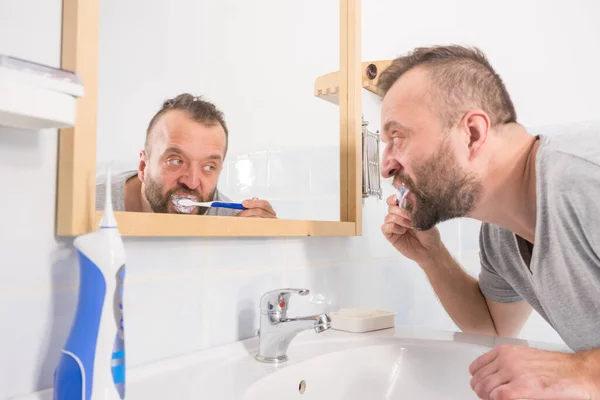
(401, 363)
(406, 370)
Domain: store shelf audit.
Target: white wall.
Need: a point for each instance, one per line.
(183, 295)
(546, 51)
(34, 270)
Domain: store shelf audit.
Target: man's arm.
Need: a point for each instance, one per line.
(509, 318)
(458, 291)
(470, 310)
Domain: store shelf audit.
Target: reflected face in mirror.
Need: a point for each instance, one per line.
(183, 157)
(421, 153)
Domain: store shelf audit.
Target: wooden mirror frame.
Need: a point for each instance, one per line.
(76, 191)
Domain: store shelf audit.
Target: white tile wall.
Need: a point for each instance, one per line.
(247, 58)
(385, 283)
(230, 302)
(186, 294)
(165, 313)
(300, 182)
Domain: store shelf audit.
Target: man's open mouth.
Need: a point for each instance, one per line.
(183, 209)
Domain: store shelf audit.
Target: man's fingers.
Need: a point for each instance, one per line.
(507, 391)
(255, 213)
(484, 372)
(260, 204)
(486, 379)
(483, 360)
(392, 200)
(391, 228)
(399, 211)
(397, 219)
(489, 384)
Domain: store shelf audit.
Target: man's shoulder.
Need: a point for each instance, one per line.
(118, 178)
(569, 175)
(219, 196)
(571, 155)
(494, 239)
(117, 184)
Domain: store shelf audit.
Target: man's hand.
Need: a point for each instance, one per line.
(398, 230)
(257, 208)
(518, 372)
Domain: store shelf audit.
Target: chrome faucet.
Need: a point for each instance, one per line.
(277, 330)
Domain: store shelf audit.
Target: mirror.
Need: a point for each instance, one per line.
(254, 62)
(203, 101)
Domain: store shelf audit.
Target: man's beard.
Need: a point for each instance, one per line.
(444, 190)
(159, 202)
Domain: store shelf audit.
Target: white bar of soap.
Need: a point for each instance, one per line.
(362, 319)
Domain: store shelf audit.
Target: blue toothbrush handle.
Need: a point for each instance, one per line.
(235, 206)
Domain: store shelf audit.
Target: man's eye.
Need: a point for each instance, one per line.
(209, 168)
(174, 162)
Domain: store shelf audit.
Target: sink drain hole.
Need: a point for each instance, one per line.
(302, 387)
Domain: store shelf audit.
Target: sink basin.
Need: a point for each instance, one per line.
(409, 370)
(400, 363)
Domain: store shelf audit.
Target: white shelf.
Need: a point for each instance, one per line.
(34, 96)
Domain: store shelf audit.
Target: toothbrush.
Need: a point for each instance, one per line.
(404, 192)
(185, 202)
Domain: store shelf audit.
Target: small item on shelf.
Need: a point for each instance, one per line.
(37, 96)
(40, 75)
(362, 319)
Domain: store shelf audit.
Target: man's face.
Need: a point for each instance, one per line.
(419, 154)
(185, 160)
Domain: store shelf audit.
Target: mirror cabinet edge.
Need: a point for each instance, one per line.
(75, 193)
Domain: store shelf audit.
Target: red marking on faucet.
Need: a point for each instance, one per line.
(282, 304)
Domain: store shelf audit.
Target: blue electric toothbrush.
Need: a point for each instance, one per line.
(92, 361)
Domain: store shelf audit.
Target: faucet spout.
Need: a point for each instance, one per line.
(320, 323)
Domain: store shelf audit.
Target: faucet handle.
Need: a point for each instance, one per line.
(277, 300)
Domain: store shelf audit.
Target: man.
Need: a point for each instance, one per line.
(452, 139)
(186, 143)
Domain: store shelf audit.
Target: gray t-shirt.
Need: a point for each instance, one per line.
(118, 195)
(559, 275)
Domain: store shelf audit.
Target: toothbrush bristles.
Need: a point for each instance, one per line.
(183, 201)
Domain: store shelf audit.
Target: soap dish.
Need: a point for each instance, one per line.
(362, 319)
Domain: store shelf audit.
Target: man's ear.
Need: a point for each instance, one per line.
(142, 165)
(476, 124)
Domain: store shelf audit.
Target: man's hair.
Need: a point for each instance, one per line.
(461, 77)
(197, 109)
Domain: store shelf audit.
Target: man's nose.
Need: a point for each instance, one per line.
(389, 165)
(191, 178)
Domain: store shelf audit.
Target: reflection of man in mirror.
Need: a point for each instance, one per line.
(183, 156)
